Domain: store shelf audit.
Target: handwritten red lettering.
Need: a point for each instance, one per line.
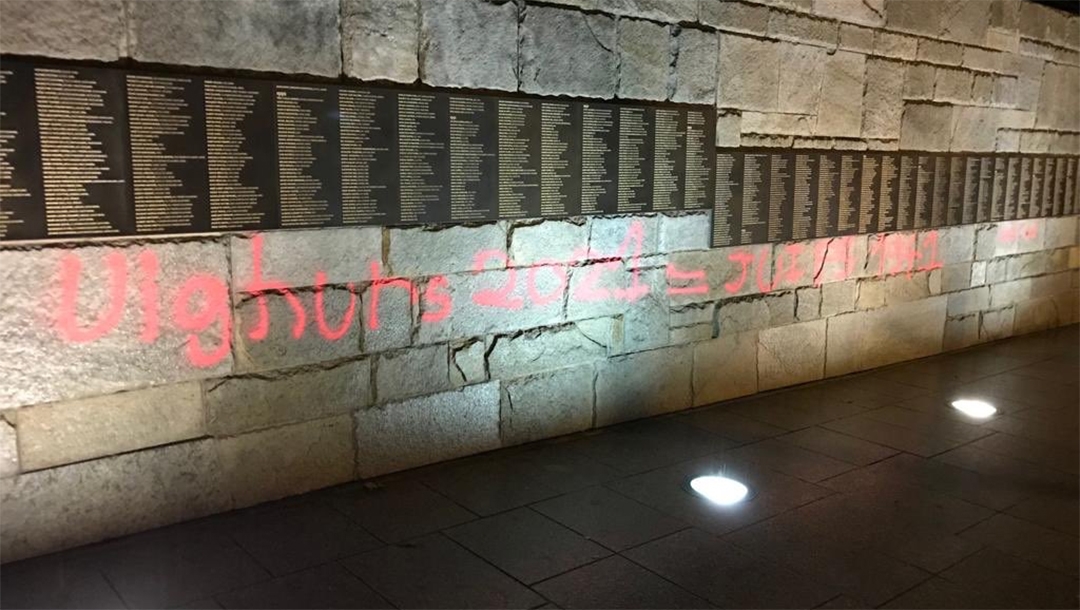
(332, 334)
(674, 274)
(148, 294)
(437, 304)
(67, 324)
(213, 307)
(378, 283)
(260, 287)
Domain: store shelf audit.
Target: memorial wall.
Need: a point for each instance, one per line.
(251, 249)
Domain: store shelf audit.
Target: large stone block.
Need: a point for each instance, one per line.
(428, 429)
(729, 272)
(953, 85)
(959, 276)
(568, 52)
(883, 104)
(1009, 293)
(73, 29)
(469, 43)
(974, 129)
(74, 324)
(725, 368)
(856, 38)
(760, 312)
(793, 26)
(904, 287)
(646, 322)
(330, 327)
(926, 127)
(76, 430)
(542, 350)
(914, 16)
(644, 59)
(547, 405)
(791, 355)
(428, 251)
(552, 241)
(894, 45)
(64, 507)
(469, 363)
(961, 332)
(1034, 315)
(841, 110)
(612, 288)
(871, 12)
(728, 128)
(695, 67)
(919, 82)
(410, 372)
(299, 36)
(997, 324)
(1057, 98)
(389, 319)
(968, 301)
(243, 404)
(286, 461)
(294, 257)
(685, 232)
(838, 297)
(1060, 232)
(801, 76)
(9, 451)
(868, 339)
(947, 245)
(748, 73)
(380, 39)
(734, 16)
(940, 52)
(617, 236)
(644, 384)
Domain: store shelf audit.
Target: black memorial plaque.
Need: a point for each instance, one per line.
(805, 173)
(780, 195)
(308, 155)
(924, 191)
(827, 205)
(754, 222)
(240, 159)
(940, 200)
(999, 190)
(983, 189)
(669, 159)
(700, 173)
(1027, 179)
(971, 166)
(869, 193)
(1060, 175)
(1070, 187)
(424, 157)
(636, 137)
(519, 158)
(1035, 200)
(369, 156)
(1012, 187)
(599, 158)
(560, 147)
(906, 188)
(954, 212)
(473, 157)
(888, 192)
(727, 203)
(847, 214)
(22, 207)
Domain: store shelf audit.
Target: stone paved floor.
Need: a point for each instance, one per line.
(870, 491)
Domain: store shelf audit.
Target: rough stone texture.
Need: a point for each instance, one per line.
(280, 462)
(926, 126)
(567, 52)
(645, 324)
(380, 39)
(728, 128)
(959, 276)
(559, 241)
(644, 59)
(74, 29)
(298, 36)
(807, 304)
(800, 78)
(895, 45)
(792, 26)
(838, 297)
(685, 232)
(643, 384)
(9, 451)
(748, 73)
(725, 367)
(76, 430)
(1057, 98)
(435, 251)
(867, 339)
(961, 332)
(280, 347)
(729, 272)
(468, 43)
(1061, 232)
(919, 81)
(1035, 315)
(973, 129)
(762, 312)
(940, 52)
(293, 257)
(695, 67)
(994, 325)
(871, 12)
(856, 38)
(883, 103)
(616, 236)
(953, 85)
(420, 370)
(790, 355)
(395, 313)
(68, 506)
(843, 80)
(951, 244)
(542, 350)
(968, 301)
(547, 405)
(735, 16)
(54, 366)
(428, 429)
(243, 404)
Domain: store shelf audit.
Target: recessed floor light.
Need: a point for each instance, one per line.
(979, 409)
(719, 490)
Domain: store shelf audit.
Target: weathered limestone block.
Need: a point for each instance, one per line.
(645, 324)
(380, 39)
(427, 429)
(883, 101)
(469, 43)
(914, 16)
(856, 38)
(902, 287)
(468, 363)
(728, 128)
(337, 336)
(919, 81)
(961, 332)
(277, 35)
(735, 16)
(807, 304)
(793, 26)
(644, 59)
(293, 257)
(546, 405)
(410, 372)
(940, 52)
(618, 236)
(777, 123)
(61, 344)
(868, 339)
(953, 85)
(725, 368)
(871, 12)
(79, 29)
(72, 505)
(9, 451)
(729, 272)
(427, 251)
(959, 276)
(1061, 232)
(552, 241)
(949, 245)
(691, 231)
(968, 301)
(280, 462)
(1057, 98)
(754, 313)
(1034, 315)
(568, 52)
(791, 355)
(542, 350)
(388, 320)
(896, 46)
(974, 129)
(841, 112)
(926, 126)
(997, 324)
(242, 404)
(76, 430)
(838, 297)
(644, 384)
(800, 78)
(748, 73)
(695, 67)
(1009, 293)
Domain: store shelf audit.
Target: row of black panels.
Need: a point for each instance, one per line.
(770, 195)
(102, 151)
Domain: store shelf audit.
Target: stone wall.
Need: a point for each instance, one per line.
(154, 380)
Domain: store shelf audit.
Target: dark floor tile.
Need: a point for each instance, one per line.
(400, 510)
(723, 421)
(325, 586)
(1058, 432)
(490, 485)
(791, 459)
(937, 592)
(842, 601)
(609, 518)
(526, 545)
(1026, 390)
(1027, 478)
(208, 603)
(837, 445)
(1014, 582)
(60, 580)
(434, 572)
(645, 445)
(778, 410)
(167, 569)
(726, 575)
(295, 537)
(935, 374)
(930, 424)
(1036, 544)
(1053, 512)
(918, 442)
(616, 582)
(940, 404)
(1043, 453)
(556, 464)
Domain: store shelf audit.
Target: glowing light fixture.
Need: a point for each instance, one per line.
(978, 409)
(719, 490)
